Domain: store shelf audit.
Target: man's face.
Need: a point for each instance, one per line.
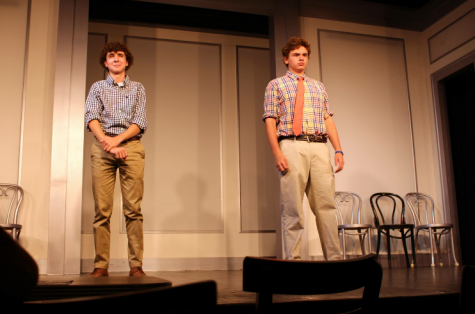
(297, 60)
(116, 62)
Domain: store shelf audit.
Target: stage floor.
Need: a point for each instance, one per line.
(397, 283)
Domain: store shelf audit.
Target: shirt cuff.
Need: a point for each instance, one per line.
(142, 126)
(91, 117)
(269, 115)
(327, 114)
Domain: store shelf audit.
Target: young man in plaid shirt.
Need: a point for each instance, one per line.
(298, 122)
(116, 115)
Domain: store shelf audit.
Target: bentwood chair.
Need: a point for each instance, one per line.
(406, 230)
(422, 209)
(12, 195)
(348, 205)
(268, 276)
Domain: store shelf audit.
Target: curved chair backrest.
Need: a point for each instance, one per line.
(355, 203)
(276, 276)
(16, 193)
(374, 200)
(421, 206)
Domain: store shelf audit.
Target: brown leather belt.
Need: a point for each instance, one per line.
(134, 138)
(305, 137)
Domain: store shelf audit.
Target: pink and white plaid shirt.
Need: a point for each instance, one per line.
(279, 104)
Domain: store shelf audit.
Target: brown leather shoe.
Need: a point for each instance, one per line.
(136, 271)
(99, 272)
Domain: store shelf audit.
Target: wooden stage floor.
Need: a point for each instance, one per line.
(435, 283)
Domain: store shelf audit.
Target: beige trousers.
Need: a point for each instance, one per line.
(104, 170)
(310, 171)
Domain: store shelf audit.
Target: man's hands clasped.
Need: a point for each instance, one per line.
(109, 144)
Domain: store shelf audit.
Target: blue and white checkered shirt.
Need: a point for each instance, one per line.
(117, 107)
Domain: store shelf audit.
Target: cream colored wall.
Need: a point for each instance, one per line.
(424, 136)
(36, 116)
(13, 28)
(36, 163)
(230, 242)
(430, 69)
(454, 55)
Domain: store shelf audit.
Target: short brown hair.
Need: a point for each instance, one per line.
(116, 46)
(295, 43)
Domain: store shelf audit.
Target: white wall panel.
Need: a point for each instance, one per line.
(13, 28)
(183, 141)
(95, 73)
(365, 77)
(260, 200)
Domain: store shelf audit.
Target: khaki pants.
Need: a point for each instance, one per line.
(310, 172)
(104, 169)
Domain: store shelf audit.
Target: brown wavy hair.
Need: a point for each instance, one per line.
(116, 46)
(294, 43)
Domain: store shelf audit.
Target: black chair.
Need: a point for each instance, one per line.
(406, 230)
(267, 276)
(197, 297)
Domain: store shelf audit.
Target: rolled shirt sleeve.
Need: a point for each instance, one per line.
(140, 110)
(94, 106)
(271, 102)
(326, 105)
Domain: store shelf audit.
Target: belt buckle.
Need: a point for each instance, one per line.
(308, 140)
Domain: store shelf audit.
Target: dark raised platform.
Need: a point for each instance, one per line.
(428, 289)
(64, 287)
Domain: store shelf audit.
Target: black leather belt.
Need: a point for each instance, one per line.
(305, 137)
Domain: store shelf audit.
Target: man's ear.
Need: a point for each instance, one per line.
(286, 60)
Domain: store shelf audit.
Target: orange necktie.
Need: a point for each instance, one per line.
(298, 112)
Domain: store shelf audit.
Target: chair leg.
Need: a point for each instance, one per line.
(437, 245)
(431, 248)
(388, 238)
(414, 251)
(404, 245)
(452, 242)
(369, 241)
(361, 243)
(417, 243)
(379, 243)
(343, 236)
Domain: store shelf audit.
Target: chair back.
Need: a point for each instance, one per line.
(354, 202)
(276, 276)
(12, 195)
(422, 208)
(378, 214)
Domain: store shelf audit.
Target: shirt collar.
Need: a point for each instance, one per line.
(295, 76)
(110, 80)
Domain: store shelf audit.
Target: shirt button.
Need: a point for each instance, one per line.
(120, 110)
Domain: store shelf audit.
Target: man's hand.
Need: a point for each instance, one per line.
(119, 152)
(108, 143)
(339, 162)
(281, 162)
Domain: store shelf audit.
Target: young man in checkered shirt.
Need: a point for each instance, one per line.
(298, 122)
(116, 115)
